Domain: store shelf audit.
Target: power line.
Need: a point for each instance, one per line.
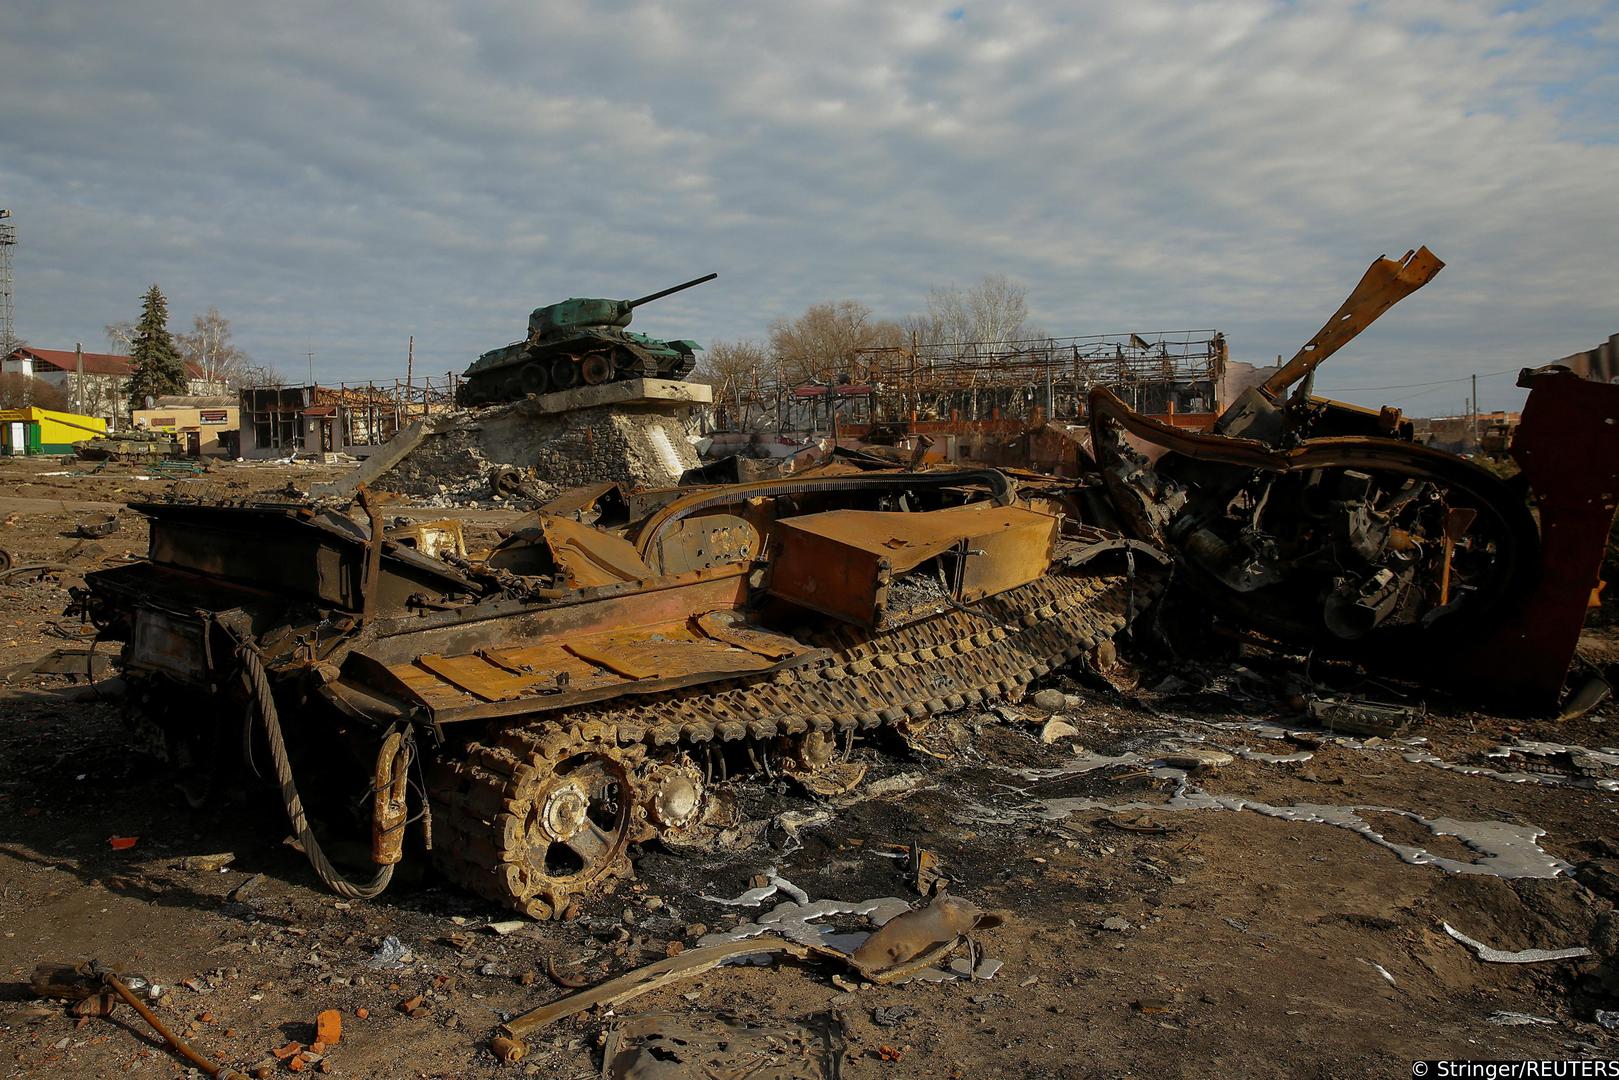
(1417, 385)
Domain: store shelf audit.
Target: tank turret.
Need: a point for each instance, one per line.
(579, 340)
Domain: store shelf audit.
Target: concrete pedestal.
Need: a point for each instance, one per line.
(634, 432)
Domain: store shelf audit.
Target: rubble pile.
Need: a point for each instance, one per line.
(453, 463)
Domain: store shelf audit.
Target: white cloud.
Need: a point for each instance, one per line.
(338, 179)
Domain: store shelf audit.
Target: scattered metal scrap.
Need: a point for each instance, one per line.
(1361, 717)
(510, 1040)
(97, 526)
(24, 575)
(86, 663)
(1504, 849)
(906, 944)
(96, 990)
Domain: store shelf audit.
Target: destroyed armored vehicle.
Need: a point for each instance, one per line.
(578, 341)
(138, 445)
(591, 683)
(1322, 525)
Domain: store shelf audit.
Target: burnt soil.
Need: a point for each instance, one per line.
(1253, 944)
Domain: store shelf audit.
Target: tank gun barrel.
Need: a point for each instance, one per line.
(647, 299)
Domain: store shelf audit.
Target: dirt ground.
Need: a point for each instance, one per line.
(1140, 935)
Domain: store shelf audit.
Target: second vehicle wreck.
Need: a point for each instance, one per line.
(1322, 525)
(590, 683)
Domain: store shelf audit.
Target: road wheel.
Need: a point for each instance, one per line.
(534, 378)
(564, 373)
(595, 369)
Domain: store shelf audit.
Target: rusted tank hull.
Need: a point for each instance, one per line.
(584, 688)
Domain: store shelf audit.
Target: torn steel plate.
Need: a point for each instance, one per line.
(1385, 283)
(590, 556)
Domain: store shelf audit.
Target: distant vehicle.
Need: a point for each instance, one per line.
(578, 341)
(137, 445)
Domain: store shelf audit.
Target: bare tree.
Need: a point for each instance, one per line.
(121, 336)
(728, 364)
(253, 373)
(989, 314)
(208, 346)
(18, 391)
(97, 395)
(1000, 310)
(826, 338)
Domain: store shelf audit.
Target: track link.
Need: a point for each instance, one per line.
(484, 799)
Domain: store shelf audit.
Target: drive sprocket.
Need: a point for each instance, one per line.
(560, 807)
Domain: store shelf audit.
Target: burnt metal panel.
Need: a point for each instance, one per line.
(172, 644)
(709, 539)
(664, 653)
(842, 562)
(1568, 447)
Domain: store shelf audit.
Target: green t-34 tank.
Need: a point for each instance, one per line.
(578, 341)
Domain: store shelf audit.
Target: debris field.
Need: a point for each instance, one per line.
(1281, 747)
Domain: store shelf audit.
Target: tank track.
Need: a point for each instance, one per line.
(485, 810)
(499, 384)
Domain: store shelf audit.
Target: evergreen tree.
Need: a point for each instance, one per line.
(158, 369)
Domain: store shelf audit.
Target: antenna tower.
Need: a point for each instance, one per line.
(8, 316)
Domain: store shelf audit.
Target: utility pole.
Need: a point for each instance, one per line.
(311, 355)
(1473, 427)
(78, 379)
(410, 369)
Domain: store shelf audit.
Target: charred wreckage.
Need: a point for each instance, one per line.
(593, 681)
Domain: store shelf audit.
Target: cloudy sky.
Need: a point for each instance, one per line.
(337, 177)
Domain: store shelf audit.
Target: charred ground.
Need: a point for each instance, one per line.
(1234, 941)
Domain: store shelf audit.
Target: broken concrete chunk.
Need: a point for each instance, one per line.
(246, 889)
(208, 863)
(1049, 700)
(908, 936)
(1197, 757)
(1057, 729)
(329, 1027)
